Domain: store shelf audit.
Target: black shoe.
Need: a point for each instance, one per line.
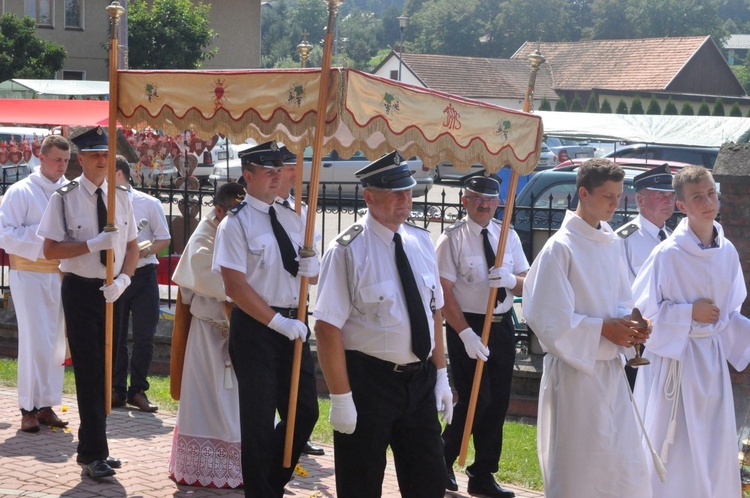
(97, 469)
(485, 485)
(118, 400)
(113, 462)
(311, 448)
(450, 480)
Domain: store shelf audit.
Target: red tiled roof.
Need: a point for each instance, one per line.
(639, 64)
(478, 77)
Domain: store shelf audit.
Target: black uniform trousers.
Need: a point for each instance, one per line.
(262, 361)
(494, 394)
(397, 409)
(84, 309)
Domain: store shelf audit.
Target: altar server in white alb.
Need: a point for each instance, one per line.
(206, 443)
(35, 284)
(576, 298)
(691, 288)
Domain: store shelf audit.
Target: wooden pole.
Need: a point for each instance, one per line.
(312, 205)
(536, 60)
(304, 49)
(114, 10)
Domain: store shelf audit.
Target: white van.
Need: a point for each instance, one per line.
(19, 151)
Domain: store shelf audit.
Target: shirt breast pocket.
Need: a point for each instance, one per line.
(380, 303)
(261, 251)
(80, 233)
(471, 268)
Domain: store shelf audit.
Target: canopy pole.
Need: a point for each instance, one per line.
(114, 10)
(312, 205)
(304, 49)
(536, 59)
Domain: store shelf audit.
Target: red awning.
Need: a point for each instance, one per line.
(54, 112)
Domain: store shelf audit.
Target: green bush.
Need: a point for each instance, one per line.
(591, 105)
(561, 105)
(687, 110)
(735, 111)
(622, 107)
(653, 108)
(670, 109)
(636, 107)
(605, 108)
(576, 105)
(703, 110)
(544, 105)
(718, 107)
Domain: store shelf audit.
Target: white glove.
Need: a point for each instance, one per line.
(473, 344)
(343, 414)
(444, 395)
(309, 267)
(289, 327)
(502, 277)
(102, 242)
(116, 288)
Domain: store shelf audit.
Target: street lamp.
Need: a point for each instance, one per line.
(403, 21)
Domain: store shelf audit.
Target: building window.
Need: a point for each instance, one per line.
(41, 10)
(394, 75)
(74, 75)
(74, 14)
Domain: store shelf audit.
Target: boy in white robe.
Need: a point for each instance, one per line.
(691, 288)
(575, 298)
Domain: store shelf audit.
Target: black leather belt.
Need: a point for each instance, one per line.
(501, 317)
(85, 279)
(395, 367)
(145, 269)
(286, 312)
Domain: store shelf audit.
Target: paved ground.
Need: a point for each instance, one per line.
(43, 465)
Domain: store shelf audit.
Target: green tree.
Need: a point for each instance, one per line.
(606, 107)
(662, 18)
(561, 105)
(687, 110)
(608, 22)
(591, 105)
(718, 107)
(670, 108)
(703, 110)
(735, 111)
(519, 21)
(169, 34)
(360, 32)
(636, 107)
(23, 54)
(622, 107)
(576, 105)
(448, 27)
(544, 105)
(653, 107)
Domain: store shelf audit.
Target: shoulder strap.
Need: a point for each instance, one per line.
(626, 231)
(350, 234)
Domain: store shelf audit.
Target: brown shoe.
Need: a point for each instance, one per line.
(46, 416)
(141, 401)
(29, 423)
(117, 401)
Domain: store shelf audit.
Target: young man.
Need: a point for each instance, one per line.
(257, 253)
(380, 343)
(466, 258)
(140, 299)
(576, 296)
(691, 288)
(35, 283)
(208, 416)
(72, 227)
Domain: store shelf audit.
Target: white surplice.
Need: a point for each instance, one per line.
(36, 295)
(588, 438)
(690, 359)
(206, 442)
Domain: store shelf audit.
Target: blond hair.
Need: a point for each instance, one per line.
(689, 174)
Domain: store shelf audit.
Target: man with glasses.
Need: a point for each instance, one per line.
(466, 255)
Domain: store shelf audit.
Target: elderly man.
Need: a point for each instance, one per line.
(380, 343)
(257, 253)
(73, 230)
(35, 283)
(466, 258)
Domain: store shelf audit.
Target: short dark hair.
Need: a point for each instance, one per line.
(595, 172)
(122, 164)
(689, 174)
(57, 141)
(227, 193)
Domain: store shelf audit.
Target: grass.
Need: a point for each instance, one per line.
(518, 465)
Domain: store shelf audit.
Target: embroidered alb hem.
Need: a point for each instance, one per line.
(206, 462)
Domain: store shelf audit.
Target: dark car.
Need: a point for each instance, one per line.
(701, 156)
(541, 205)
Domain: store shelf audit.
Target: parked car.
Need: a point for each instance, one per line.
(701, 156)
(541, 205)
(566, 148)
(336, 172)
(218, 157)
(625, 162)
(17, 151)
(446, 170)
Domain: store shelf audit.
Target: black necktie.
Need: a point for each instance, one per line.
(489, 255)
(101, 218)
(420, 329)
(288, 254)
(662, 235)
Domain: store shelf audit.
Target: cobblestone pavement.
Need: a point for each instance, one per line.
(42, 465)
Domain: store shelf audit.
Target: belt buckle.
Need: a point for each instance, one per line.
(396, 367)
